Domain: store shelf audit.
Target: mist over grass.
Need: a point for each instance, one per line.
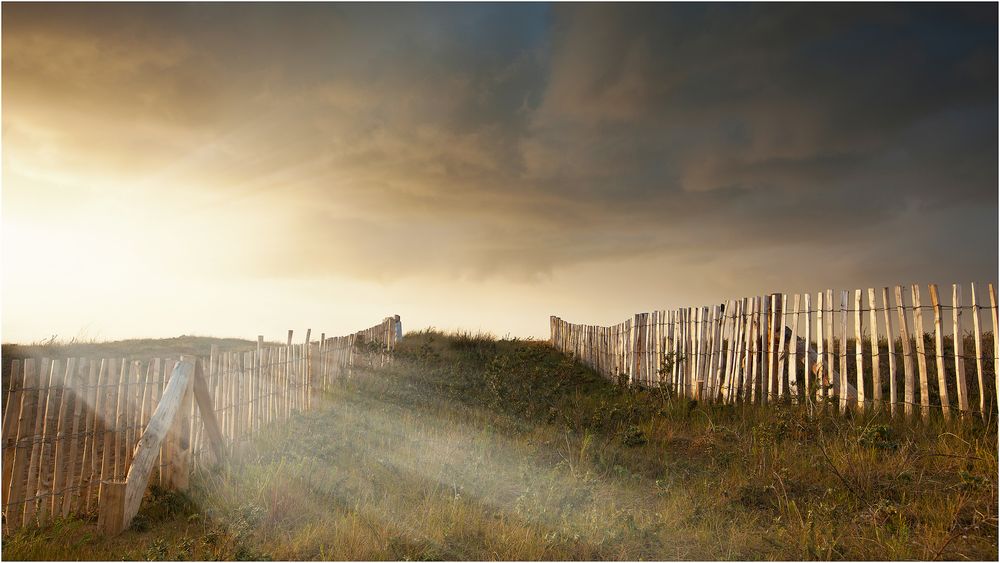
(471, 447)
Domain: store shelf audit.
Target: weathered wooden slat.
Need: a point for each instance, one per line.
(779, 334)
(939, 353)
(682, 351)
(121, 422)
(22, 448)
(757, 332)
(822, 382)
(793, 357)
(135, 410)
(996, 341)
(748, 346)
(96, 428)
(76, 388)
(127, 428)
(164, 372)
(246, 401)
(109, 415)
(61, 447)
(739, 355)
(286, 376)
(690, 350)
(958, 343)
(904, 334)
(769, 394)
(807, 373)
(691, 373)
(110, 520)
(11, 413)
(238, 377)
(831, 350)
(890, 337)
(37, 449)
(706, 349)
(859, 350)
(918, 331)
(705, 345)
(44, 492)
(307, 362)
(873, 333)
(977, 335)
(720, 364)
(841, 392)
(732, 355)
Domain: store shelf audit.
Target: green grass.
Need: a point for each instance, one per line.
(475, 448)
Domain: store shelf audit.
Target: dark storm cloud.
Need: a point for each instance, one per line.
(511, 140)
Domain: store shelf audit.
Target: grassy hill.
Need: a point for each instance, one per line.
(474, 448)
(136, 349)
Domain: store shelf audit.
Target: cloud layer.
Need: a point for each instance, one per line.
(515, 142)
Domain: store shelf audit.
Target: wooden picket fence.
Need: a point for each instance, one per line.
(863, 351)
(71, 427)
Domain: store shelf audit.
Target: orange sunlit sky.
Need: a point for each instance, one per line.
(241, 169)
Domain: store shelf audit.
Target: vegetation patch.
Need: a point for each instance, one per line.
(469, 447)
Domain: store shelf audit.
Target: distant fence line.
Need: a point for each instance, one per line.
(71, 427)
(758, 350)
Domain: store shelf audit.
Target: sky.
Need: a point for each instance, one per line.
(242, 169)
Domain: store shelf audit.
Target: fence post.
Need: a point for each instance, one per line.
(309, 369)
(111, 518)
(636, 349)
(178, 446)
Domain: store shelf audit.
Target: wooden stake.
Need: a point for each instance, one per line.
(748, 356)
(727, 383)
(76, 388)
(904, 334)
(771, 358)
(977, 334)
(996, 341)
(842, 392)
(859, 351)
(755, 330)
(163, 369)
(11, 413)
(821, 380)
(779, 333)
(109, 414)
(890, 343)
(61, 461)
(26, 416)
(925, 388)
(46, 465)
(721, 352)
(806, 364)
(110, 520)
(939, 353)
(958, 343)
(831, 359)
(120, 422)
(873, 336)
(95, 427)
(37, 434)
(204, 401)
